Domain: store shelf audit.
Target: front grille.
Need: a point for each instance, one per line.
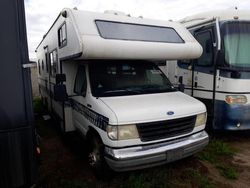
(165, 129)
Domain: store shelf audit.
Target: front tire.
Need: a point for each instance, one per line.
(97, 160)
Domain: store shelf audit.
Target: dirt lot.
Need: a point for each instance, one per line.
(225, 162)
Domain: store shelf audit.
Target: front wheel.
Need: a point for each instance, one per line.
(97, 160)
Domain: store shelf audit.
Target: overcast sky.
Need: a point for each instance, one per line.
(40, 14)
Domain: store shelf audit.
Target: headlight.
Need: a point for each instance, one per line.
(201, 119)
(236, 99)
(122, 132)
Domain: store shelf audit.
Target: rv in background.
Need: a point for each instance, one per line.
(220, 78)
(114, 94)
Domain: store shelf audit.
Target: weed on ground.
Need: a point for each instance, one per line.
(227, 172)
(220, 154)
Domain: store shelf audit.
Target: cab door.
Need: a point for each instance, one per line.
(78, 101)
(203, 68)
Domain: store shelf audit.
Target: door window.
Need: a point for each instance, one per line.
(205, 40)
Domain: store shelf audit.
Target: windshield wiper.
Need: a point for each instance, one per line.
(156, 88)
(121, 91)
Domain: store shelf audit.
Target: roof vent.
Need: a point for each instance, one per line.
(119, 13)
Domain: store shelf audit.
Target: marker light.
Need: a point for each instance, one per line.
(236, 99)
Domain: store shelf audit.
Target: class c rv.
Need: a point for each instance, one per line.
(220, 77)
(98, 76)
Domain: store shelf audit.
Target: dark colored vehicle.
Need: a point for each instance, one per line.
(18, 160)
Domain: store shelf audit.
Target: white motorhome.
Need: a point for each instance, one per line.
(116, 96)
(220, 78)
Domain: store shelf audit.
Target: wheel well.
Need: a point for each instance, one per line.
(92, 133)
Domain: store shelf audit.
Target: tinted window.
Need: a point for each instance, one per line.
(42, 65)
(62, 38)
(39, 67)
(185, 64)
(236, 38)
(126, 31)
(53, 62)
(46, 62)
(205, 40)
(80, 81)
(113, 78)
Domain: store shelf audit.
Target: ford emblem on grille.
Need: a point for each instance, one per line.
(170, 113)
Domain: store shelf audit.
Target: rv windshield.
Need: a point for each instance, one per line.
(109, 78)
(236, 38)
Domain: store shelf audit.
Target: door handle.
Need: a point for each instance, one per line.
(89, 105)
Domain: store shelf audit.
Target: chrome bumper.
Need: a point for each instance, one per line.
(138, 157)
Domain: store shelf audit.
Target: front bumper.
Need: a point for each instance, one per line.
(139, 157)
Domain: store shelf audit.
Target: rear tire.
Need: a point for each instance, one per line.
(97, 160)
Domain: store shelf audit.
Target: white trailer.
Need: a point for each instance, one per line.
(116, 96)
(220, 78)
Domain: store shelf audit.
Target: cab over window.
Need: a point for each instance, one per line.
(80, 82)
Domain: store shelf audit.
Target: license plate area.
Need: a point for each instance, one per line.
(175, 154)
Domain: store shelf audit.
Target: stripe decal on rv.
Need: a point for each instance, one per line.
(95, 118)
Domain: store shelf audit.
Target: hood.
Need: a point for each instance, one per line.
(153, 107)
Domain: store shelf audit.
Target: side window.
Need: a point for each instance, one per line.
(205, 40)
(42, 65)
(81, 81)
(38, 65)
(62, 36)
(53, 62)
(184, 63)
(46, 62)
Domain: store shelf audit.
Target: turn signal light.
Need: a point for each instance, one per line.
(236, 99)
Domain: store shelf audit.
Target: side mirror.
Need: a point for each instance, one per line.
(181, 79)
(60, 78)
(60, 92)
(181, 86)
